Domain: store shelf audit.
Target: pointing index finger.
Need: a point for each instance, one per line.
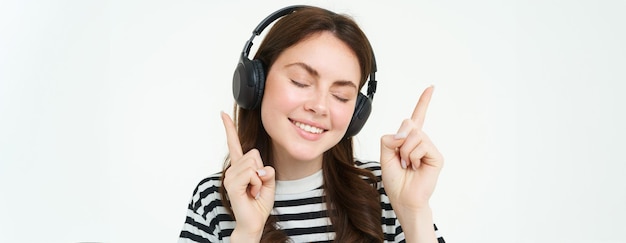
(419, 113)
(234, 146)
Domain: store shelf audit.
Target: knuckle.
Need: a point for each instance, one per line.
(254, 152)
(251, 172)
(405, 151)
(228, 179)
(417, 154)
(384, 139)
(228, 173)
(407, 122)
(417, 135)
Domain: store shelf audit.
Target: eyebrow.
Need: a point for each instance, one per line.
(306, 67)
(315, 74)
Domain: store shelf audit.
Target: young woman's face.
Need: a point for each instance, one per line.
(309, 98)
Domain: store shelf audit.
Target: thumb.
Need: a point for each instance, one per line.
(268, 177)
(388, 145)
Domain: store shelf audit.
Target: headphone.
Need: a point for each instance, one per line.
(249, 78)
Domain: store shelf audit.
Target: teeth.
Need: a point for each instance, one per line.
(308, 128)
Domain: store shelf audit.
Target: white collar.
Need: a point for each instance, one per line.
(305, 184)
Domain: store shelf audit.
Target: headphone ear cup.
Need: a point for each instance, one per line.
(362, 111)
(248, 83)
(259, 71)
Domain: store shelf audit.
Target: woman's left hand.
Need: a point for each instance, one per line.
(410, 162)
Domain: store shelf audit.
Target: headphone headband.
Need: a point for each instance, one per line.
(267, 21)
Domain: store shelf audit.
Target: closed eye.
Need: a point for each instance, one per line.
(341, 99)
(296, 83)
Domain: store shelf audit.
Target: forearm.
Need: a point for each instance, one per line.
(417, 225)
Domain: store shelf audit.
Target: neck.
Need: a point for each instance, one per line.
(289, 168)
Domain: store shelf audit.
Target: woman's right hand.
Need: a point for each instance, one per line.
(250, 186)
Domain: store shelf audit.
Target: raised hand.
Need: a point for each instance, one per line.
(410, 162)
(250, 186)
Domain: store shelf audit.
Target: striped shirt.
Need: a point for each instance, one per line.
(298, 205)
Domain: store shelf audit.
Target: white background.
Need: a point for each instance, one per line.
(109, 112)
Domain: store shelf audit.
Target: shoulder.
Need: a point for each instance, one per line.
(210, 184)
(206, 217)
(206, 196)
(372, 166)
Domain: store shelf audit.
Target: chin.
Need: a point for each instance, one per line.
(306, 155)
(306, 151)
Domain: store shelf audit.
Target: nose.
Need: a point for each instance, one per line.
(317, 103)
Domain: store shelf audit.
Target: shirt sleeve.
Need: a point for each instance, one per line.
(201, 224)
(196, 229)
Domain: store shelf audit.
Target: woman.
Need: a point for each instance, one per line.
(291, 173)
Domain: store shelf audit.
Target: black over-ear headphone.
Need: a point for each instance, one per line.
(249, 78)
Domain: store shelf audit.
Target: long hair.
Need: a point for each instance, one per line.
(356, 217)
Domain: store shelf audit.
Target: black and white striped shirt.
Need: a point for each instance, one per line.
(298, 205)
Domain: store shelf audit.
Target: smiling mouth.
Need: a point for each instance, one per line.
(308, 128)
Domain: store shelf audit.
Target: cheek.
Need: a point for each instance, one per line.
(272, 92)
(342, 114)
(279, 97)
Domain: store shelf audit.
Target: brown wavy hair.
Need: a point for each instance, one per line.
(355, 217)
